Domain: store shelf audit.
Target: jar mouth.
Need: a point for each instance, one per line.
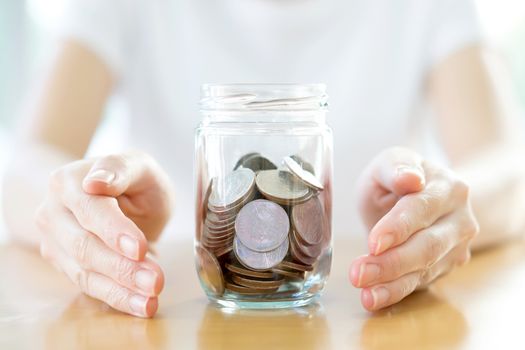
(267, 96)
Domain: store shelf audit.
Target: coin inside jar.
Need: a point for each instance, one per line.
(257, 260)
(262, 225)
(305, 176)
(256, 162)
(308, 221)
(304, 164)
(231, 189)
(243, 159)
(281, 186)
(209, 271)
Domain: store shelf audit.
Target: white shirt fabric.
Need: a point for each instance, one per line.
(372, 54)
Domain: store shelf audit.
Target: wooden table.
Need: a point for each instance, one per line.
(479, 306)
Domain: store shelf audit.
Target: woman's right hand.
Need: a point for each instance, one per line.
(96, 222)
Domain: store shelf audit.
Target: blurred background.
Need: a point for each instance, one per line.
(27, 44)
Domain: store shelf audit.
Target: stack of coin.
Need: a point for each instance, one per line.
(226, 198)
(260, 243)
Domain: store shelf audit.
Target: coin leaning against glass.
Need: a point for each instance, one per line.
(231, 189)
(262, 225)
(305, 176)
(210, 271)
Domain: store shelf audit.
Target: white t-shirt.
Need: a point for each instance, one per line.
(372, 54)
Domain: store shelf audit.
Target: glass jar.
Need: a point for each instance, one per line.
(263, 167)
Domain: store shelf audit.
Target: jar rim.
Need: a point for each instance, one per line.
(263, 96)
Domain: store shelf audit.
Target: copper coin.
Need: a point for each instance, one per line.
(257, 260)
(290, 274)
(243, 159)
(248, 291)
(209, 271)
(312, 251)
(262, 225)
(250, 273)
(294, 266)
(281, 186)
(258, 284)
(304, 164)
(219, 252)
(309, 221)
(256, 162)
(306, 177)
(300, 256)
(231, 189)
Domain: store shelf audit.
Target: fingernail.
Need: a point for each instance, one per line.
(380, 295)
(101, 175)
(414, 170)
(368, 273)
(137, 304)
(129, 246)
(384, 242)
(145, 280)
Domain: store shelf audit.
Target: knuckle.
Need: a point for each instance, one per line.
(41, 218)
(56, 179)
(471, 227)
(395, 264)
(434, 248)
(82, 280)
(461, 190)
(426, 205)
(124, 269)
(81, 248)
(116, 295)
(404, 223)
(464, 258)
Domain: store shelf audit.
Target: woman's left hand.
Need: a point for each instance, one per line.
(421, 226)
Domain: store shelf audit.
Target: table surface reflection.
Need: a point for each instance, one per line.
(478, 306)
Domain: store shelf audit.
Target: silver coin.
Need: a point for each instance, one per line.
(231, 189)
(243, 159)
(303, 163)
(262, 225)
(305, 176)
(281, 186)
(256, 162)
(257, 260)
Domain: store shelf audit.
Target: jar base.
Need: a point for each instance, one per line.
(263, 304)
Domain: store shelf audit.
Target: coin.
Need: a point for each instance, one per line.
(262, 225)
(231, 189)
(248, 291)
(306, 177)
(299, 256)
(312, 251)
(309, 221)
(256, 162)
(294, 266)
(304, 164)
(255, 283)
(290, 274)
(257, 260)
(233, 209)
(243, 158)
(250, 273)
(281, 186)
(209, 271)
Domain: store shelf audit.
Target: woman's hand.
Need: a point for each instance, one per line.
(96, 223)
(421, 226)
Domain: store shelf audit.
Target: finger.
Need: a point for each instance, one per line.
(412, 213)
(419, 252)
(399, 170)
(116, 174)
(92, 254)
(386, 294)
(103, 288)
(458, 256)
(100, 215)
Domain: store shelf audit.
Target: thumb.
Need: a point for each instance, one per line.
(116, 174)
(400, 171)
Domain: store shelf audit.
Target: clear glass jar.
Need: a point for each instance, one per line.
(263, 168)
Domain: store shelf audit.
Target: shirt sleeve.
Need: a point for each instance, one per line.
(454, 25)
(103, 26)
